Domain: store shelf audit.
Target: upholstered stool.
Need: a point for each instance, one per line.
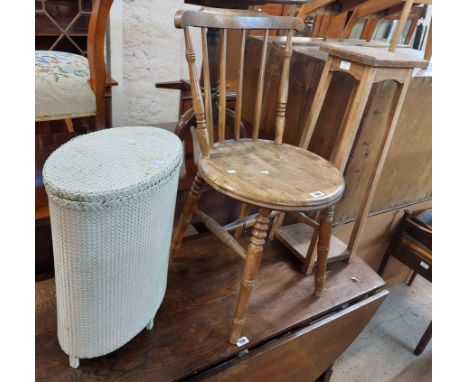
(112, 197)
(62, 86)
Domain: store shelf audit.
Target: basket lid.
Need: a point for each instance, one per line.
(112, 163)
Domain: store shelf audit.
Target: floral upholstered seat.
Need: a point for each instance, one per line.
(62, 86)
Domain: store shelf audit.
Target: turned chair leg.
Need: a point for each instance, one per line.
(254, 256)
(323, 246)
(186, 215)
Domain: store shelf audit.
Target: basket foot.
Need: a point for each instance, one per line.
(150, 324)
(74, 362)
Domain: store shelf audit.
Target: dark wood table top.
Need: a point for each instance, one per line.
(193, 323)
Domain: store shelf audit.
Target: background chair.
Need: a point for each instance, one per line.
(71, 85)
(267, 174)
(71, 81)
(371, 7)
(412, 245)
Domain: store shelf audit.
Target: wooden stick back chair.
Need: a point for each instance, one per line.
(268, 174)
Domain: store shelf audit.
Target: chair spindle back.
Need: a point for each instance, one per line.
(233, 20)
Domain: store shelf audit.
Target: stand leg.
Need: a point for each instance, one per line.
(323, 246)
(186, 215)
(254, 255)
(312, 251)
(317, 104)
(277, 223)
(397, 103)
(424, 340)
(387, 255)
(352, 119)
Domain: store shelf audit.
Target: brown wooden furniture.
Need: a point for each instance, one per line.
(371, 7)
(79, 26)
(411, 244)
(332, 19)
(329, 16)
(188, 341)
(367, 65)
(267, 174)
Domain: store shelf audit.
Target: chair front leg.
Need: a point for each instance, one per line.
(254, 256)
(323, 247)
(186, 215)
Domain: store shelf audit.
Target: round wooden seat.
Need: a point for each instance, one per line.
(277, 176)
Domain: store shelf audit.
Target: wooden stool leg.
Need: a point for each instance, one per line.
(244, 211)
(382, 150)
(312, 251)
(352, 118)
(424, 340)
(317, 104)
(254, 255)
(412, 277)
(384, 262)
(186, 215)
(323, 246)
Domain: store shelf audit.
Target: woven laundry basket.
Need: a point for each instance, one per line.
(112, 197)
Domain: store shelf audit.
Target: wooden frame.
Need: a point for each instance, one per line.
(249, 154)
(97, 64)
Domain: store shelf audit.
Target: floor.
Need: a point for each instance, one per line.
(384, 350)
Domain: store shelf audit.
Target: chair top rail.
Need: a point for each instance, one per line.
(234, 19)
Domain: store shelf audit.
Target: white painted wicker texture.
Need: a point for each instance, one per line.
(112, 197)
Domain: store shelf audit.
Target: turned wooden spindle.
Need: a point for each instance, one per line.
(261, 80)
(207, 86)
(240, 87)
(197, 100)
(222, 87)
(187, 213)
(254, 255)
(323, 247)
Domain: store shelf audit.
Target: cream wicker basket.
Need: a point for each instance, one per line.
(112, 197)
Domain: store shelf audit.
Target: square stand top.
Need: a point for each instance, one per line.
(377, 56)
(192, 327)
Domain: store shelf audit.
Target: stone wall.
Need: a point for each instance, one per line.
(145, 48)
